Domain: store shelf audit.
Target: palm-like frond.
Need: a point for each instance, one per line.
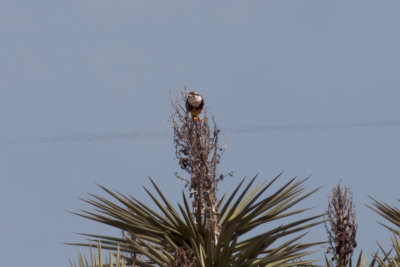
(386, 260)
(97, 260)
(392, 214)
(158, 235)
(361, 262)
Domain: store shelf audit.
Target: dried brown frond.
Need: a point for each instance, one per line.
(341, 225)
(185, 258)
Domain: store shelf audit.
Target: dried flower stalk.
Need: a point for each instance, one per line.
(342, 228)
(198, 151)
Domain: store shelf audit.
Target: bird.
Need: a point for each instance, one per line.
(194, 104)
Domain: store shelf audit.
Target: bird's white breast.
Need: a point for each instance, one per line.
(195, 100)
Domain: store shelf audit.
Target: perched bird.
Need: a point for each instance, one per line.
(194, 104)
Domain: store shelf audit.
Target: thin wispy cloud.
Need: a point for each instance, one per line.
(238, 130)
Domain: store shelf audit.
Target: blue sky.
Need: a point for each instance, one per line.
(108, 67)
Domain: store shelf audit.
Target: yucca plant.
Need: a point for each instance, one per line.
(391, 214)
(162, 236)
(237, 230)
